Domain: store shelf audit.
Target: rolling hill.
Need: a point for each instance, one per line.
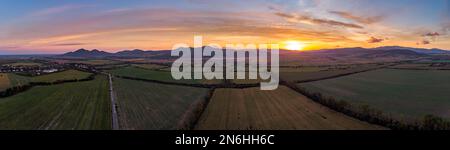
(87, 53)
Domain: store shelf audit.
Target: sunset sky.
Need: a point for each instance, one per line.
(51, 26)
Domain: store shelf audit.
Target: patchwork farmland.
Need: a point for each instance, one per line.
(283, 108)
(146, 97)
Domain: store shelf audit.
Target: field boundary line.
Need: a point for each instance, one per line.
(237, 86)
(341, 75)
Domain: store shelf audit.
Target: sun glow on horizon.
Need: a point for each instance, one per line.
(294, 45)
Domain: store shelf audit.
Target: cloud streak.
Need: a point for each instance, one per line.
(57, 10)
(70, 44)
(359, 19)
(300, 18)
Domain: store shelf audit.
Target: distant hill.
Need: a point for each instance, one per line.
(418, 50)
(87, 53)
(394, 53)
(153, 54)
(83, 53)
(357, 55)
(131, 53)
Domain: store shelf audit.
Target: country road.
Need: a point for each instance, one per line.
(115, 121)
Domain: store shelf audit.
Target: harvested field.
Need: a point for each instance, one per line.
(4, 81)
(283, 108)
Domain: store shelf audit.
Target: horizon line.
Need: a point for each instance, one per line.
(24, 54)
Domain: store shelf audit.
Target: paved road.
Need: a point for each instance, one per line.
(115, 121)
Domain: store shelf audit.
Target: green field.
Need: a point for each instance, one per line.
(423, 66)
(441, 61)
(69, 106)
(155, 75)
(403, 93)
(64, 75)
(304, 73)
(149, 66)
(145, 105)
(295, 75)
(111, 66)
(303, 69)
(96, 62)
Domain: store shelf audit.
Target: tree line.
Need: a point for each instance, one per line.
(17, 89)
(194, 112)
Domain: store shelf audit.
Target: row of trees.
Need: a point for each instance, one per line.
(193, 114)
(374, 116)
(219, 85)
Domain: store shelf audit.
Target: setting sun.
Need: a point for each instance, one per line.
(294, 45)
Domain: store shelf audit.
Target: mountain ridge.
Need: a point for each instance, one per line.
(342, 51)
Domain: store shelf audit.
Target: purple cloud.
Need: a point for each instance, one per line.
(375, 40)
(432, 34)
